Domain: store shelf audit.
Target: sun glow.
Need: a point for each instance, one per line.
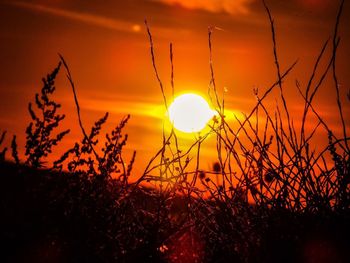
(190, 113)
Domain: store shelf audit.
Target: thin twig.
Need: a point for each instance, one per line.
(69, 76)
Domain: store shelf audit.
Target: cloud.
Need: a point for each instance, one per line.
(215, 6)
(121, 103)
(87, 18)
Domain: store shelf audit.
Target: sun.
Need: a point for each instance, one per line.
(190, 113)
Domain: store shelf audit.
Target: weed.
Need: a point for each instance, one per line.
(273, 192)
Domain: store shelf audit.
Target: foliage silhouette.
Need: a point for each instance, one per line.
(270, 197)
(39, 131)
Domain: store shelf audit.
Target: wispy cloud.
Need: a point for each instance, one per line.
(87, 18)
(124, 105)
(215, 6)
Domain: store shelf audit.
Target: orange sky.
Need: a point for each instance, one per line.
(107, 48)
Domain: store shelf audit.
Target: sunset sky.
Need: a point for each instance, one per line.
(106, 46)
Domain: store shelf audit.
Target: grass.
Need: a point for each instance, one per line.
(276, 199)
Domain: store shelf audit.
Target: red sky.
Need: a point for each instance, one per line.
(107, 49)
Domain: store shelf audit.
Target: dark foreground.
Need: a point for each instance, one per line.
(57, 217)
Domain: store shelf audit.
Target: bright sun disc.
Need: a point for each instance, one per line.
(190, 113)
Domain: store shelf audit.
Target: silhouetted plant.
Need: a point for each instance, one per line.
(266, 191)
(40, 131)
(110, 163)
(14, 150)
(84, 159)
(4, 150)
(272, 167)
